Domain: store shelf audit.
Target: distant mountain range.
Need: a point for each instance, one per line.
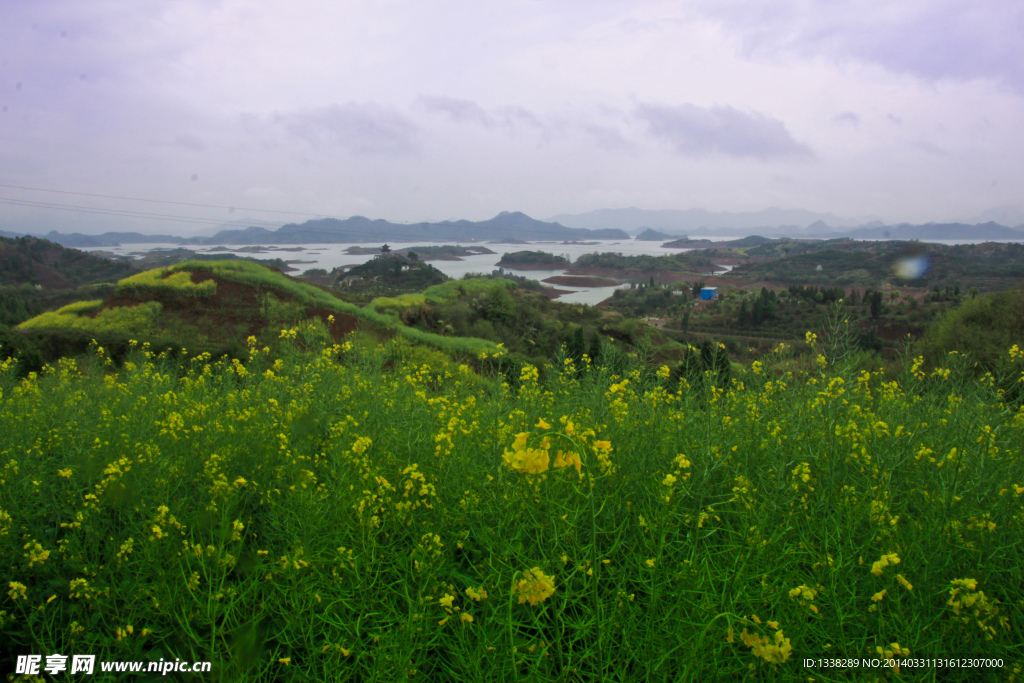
(692, 220)
(928, 231)
(786, 223)
(505, 226)
(603, 224)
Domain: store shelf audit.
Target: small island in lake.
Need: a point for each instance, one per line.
(533, 260)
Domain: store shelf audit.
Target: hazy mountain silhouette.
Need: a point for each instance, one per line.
(691, 220)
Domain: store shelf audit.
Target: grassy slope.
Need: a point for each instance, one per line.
(208, 304)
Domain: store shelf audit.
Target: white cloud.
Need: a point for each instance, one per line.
(362, 128)
(698, 131)
(930, 39)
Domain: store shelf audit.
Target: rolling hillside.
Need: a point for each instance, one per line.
(212, 304)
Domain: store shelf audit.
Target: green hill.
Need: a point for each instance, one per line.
(36, 275)
(29, 260)
(208, 305)
(216, 306)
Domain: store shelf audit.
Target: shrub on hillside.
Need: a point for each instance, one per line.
(981, 329)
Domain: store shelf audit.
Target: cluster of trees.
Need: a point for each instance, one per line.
(391, 275)
(18, 304)
(949, 294)
(764, 307)
(822, 295)
(650, 298)
(874, 300)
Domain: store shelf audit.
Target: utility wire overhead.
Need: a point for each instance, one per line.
(162, 201)
(120, 212)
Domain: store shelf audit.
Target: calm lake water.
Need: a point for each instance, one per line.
(329, 256)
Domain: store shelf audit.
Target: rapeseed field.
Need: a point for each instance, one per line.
(323, 511)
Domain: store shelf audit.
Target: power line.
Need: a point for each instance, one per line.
(162, 201)
(118, 212)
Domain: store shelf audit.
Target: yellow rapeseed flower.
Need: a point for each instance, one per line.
(566, 459)
(892, 650)
(775, 650)
(535, 587)
(36, 554)
(477, 594)
(17, 590)
(805, 592)
(527, 460)
(878, 567)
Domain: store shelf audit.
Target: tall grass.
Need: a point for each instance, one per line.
(341, 514)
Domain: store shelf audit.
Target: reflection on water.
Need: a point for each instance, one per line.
(589, 295)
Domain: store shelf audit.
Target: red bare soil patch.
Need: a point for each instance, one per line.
(344, 324)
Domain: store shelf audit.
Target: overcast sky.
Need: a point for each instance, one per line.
(409, 110)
